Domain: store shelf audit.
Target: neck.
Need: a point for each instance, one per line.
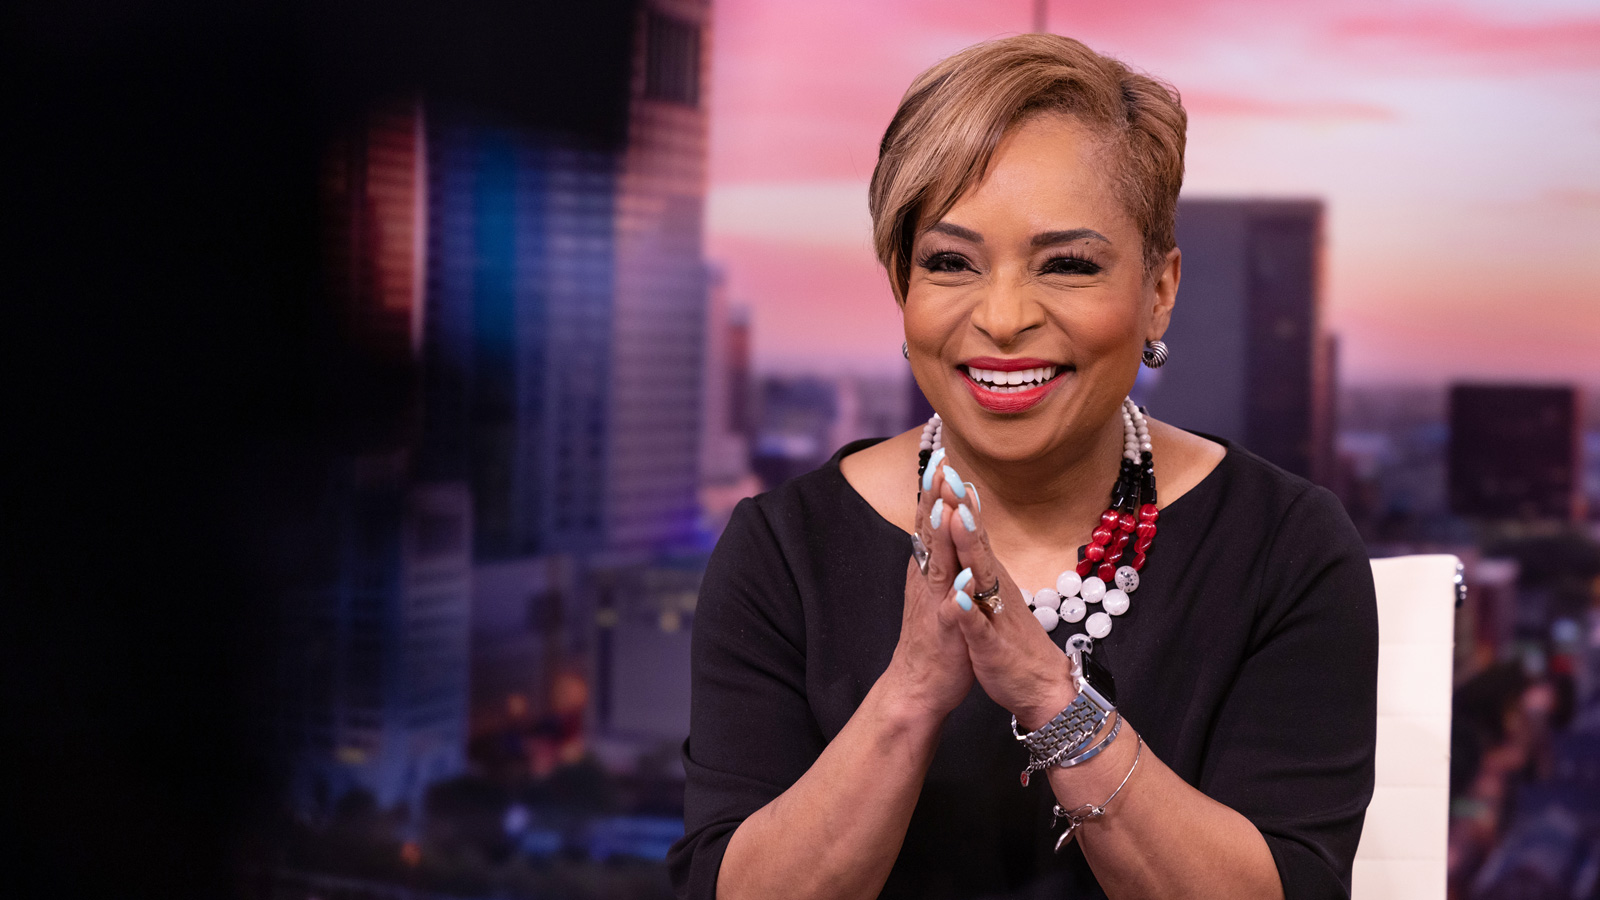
(1051, 502)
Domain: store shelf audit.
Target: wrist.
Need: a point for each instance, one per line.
(907, 703)
(1054, 695)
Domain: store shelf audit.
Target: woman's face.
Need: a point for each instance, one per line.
(1035, 278)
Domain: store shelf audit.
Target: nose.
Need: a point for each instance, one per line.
(1006, 310)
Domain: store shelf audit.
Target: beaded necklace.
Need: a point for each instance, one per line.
(1130, 519)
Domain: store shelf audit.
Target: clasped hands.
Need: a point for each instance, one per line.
(947, 640)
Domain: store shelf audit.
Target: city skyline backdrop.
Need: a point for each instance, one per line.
(1454, 144)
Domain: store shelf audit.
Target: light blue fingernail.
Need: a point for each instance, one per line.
(966, 517)
(954, 480)
(962, 579)
(937, 515)
(936, 458)
(963, 601)
(927, 477)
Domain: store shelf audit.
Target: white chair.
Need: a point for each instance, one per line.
(1404, 842)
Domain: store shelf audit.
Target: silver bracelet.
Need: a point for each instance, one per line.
(1081, 758)
(1076, 817)
(1071, 728)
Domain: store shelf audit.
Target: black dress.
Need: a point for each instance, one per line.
(1247, 660)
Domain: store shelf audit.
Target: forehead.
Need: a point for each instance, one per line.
(1048, 172)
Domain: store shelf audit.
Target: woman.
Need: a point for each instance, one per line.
(864, 643)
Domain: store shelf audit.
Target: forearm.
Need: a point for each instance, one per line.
(1161, 837)
(836, 832)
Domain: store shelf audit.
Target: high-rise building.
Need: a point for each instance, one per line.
(517, 349)
(1515, 452)
(659, 305)
(1250, 361)
(374, 677)
(372, 674)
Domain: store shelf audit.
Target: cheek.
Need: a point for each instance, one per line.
(1103, 325)
(929, 323)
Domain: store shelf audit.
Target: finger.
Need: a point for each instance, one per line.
(942, 564)
(957, 606)
(976, 627)
(927, 516)
(972, 551)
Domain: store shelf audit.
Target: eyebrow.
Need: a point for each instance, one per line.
(1043, 239)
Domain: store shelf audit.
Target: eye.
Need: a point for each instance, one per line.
(1069, 265)
(945, 261)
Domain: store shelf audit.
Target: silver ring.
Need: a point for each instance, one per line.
(919, 550)
(990, 599)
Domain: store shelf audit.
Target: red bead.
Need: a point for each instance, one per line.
(1095, 552)
(1084, 566)
(1109, 519)
(1147, 529)
(1143, 544)
(1138, 561)
(1148, 513)
(1102, 535)
(1107, 573)
(1119, 546)
(1125, 522)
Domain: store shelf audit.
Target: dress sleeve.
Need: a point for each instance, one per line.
(751, 731)
(1293, 744)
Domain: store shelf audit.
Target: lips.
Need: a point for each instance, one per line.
(1010, 385)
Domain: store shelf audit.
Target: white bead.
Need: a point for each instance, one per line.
(1047, 617)
(1115, 602)
(1027, 596)
(1145, 446)
(1093, 589)
(1098, 626)
(1073, 609)
(924, 444)
(1047, 597)
(1127, 579)
(1068, 583)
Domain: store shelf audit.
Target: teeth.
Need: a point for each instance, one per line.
(1012, 382)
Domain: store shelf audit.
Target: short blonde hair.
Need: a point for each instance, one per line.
(953, 116)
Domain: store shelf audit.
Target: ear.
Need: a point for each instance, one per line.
(1164, 286)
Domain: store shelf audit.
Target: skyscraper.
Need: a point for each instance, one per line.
(661, 285)
(372, 674)
(516, 355)
(1250, 361)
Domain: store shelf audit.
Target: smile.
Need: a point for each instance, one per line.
(1010, 386)
(1012, 382)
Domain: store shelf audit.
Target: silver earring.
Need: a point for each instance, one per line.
(905, 349)
(1155, 354)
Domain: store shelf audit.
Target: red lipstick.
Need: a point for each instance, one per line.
(1010, 402)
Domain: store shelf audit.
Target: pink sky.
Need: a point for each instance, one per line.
(1457, 145)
